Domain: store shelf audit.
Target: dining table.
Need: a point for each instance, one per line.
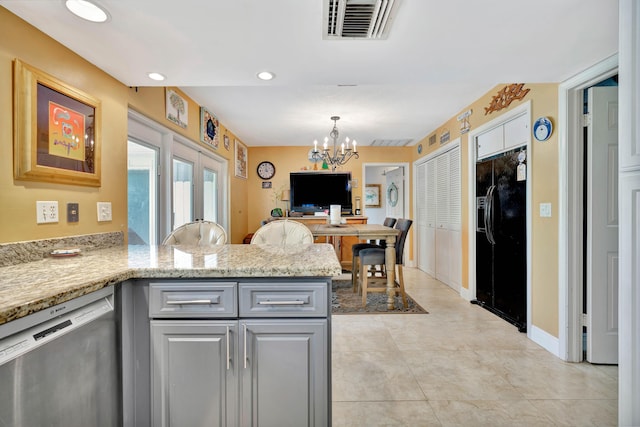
(367, 232)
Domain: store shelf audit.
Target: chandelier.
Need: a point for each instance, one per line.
(337, 156)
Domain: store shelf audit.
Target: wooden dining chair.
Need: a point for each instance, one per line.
(376, 256)
(388, 222)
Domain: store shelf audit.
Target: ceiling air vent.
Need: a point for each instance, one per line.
(390, 142)
(357, 19)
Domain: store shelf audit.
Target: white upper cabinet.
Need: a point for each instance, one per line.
(490, 142)
(514, 133)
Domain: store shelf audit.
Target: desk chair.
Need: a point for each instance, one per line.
(199, 232)
(376, 256)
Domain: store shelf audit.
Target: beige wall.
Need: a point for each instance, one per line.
(150, 102)
(18, 198)
(294, 159)
(543, 159)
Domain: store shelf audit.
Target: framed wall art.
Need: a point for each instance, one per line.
(226, 142)
(242, 159)
(57, 130)
(176, 108)
(209, 128)
(372, 195)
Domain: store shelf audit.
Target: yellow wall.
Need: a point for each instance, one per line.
(18, 198)
(150, 102)
(294, 159)
(543, 159)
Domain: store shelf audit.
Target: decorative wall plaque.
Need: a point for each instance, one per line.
(506, 96)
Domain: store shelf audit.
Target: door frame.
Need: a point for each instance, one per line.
(570, 206)
(409, 261)
(470, 292)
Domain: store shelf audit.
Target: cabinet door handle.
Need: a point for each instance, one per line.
(191, 302)
(228, 358)
(292, 302)
(245, 345)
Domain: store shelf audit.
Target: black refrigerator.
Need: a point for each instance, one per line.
(501, 256)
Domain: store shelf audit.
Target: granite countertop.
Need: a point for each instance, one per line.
(30, 287)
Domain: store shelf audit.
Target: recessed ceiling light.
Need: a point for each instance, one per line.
(266, 75)
(87, 10)
(156, 76)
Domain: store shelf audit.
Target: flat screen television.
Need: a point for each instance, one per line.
(316, 191)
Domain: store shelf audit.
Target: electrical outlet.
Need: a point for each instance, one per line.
(545, 210)
(46, 212)
(104, 211)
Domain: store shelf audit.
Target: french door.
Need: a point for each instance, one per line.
(171, 181)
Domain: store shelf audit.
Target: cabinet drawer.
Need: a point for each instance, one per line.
(283, 299)
(193, 300)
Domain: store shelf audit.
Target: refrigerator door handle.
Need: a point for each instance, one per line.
(488, 215)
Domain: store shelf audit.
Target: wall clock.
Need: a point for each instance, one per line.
(266, 170)
(542, 129)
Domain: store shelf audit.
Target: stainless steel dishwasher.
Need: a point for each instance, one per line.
(60, 366)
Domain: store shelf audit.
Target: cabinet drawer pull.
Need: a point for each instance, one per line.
(192, 302)
(228, 357)
(245, 345)
(292, 302)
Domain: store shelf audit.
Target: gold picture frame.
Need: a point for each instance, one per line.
(57, 130)
(372, 196)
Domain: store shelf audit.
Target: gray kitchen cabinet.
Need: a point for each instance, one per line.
(194, 372)
(284, 379)
(254, 353)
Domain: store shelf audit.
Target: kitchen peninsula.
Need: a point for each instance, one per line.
(260, 313)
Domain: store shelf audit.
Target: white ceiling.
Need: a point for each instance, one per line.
(440, 56)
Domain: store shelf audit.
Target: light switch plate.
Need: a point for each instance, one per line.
(73, 213)
(104, 211)
(545, 210)
(46, 212)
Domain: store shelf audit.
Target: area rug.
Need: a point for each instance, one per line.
(345, 301)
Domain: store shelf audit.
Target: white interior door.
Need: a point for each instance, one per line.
(602, 226)
(395, 193)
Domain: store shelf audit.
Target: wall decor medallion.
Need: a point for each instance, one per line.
(419, 148)
(241, 159)
(176, 108)
(209, 128)
(57, 130)
(542, 128)
(504, 98)
(392, 195)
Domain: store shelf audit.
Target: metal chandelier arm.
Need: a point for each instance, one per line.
(340, 156)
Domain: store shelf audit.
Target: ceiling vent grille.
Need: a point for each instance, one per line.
(358, 19)
(391, 142)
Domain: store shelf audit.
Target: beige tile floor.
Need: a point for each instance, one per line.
(459, 365)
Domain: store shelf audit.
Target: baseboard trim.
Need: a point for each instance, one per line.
(545, 340)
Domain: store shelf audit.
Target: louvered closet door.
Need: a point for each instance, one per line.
(455, 219)
(430, 187)
(443, 244)
(421, 215)
(440, 217)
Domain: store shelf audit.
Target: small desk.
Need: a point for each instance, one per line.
(366, 232)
